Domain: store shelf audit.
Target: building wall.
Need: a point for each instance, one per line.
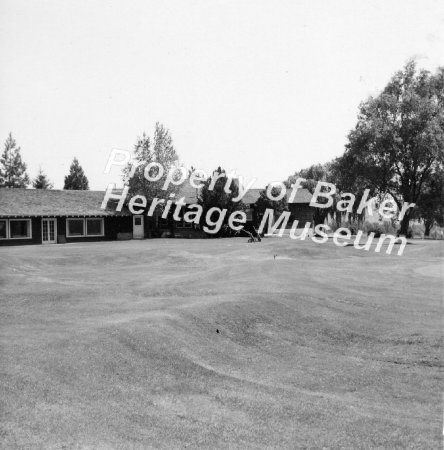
(169, 228)
(112, 226)
(61, 232)
(36, 234)
(120, 224)
(302, 212)
(124, 224)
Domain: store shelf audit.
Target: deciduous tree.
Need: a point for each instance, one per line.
(263, 202)
(398, 143)
(218, 197)
(312, 175)
(159, 149)
(431, 202)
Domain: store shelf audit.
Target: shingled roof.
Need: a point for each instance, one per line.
(191, 195)
(53, 203)
(302, 196)
(251, 196)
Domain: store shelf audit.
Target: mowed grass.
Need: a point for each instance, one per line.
(114, 345)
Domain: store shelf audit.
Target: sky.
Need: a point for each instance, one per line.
(263, 87)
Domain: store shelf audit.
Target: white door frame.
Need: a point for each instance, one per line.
(49, 219)
(138, 230)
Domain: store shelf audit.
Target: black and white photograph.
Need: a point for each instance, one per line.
(221, 224)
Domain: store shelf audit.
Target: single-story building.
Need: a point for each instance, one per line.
(37, 216)
(299, 207)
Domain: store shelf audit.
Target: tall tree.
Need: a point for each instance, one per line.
(217, 197)
(398, 143)
(347, 180)
(159, 150)
(263, 202)
(76, 179)
(12, 168)
(41, 181)
(431, 202)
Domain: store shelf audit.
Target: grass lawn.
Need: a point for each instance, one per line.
(114, 345)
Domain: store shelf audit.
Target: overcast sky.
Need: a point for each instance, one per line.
(264, 87)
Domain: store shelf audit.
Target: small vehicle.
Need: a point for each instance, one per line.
(253, 238)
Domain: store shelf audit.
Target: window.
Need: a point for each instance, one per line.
(19, 228)
(182, 224)
(138, 221)
(3, 229)
(162, 223)
(94, 227)
(75, 227)
(84, 227)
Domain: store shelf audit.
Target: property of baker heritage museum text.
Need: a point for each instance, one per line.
(215, 217)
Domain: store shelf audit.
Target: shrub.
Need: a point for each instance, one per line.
(374, 227)
(352, 226)
(436, 233)
(333, 225)
(389, 228)
(416, 230)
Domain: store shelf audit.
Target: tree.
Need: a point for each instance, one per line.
(41, 181)
(263, 202)
(12, 168)
(431, 202)
(76, 179)
(398, 143)
(315, 173)
(217, 197)
(159, 150)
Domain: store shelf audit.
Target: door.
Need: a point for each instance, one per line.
(49, 231)
(138, 229)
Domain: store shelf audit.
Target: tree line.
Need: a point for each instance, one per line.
(396, 150)
(13, 171)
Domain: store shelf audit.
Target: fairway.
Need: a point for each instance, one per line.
(215, 343)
